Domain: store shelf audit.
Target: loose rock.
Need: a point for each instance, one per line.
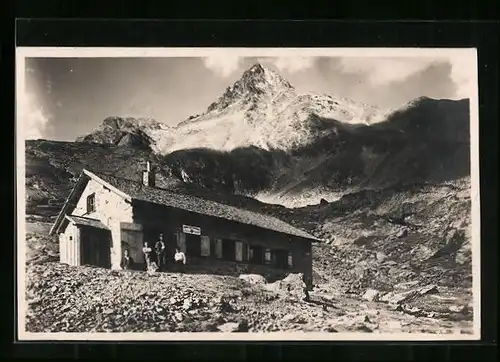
(371, 295)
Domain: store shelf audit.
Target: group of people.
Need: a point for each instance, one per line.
(155, 258)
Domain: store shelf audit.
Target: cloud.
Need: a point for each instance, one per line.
(290, 64)
(463, 70)
(381, 71)
(31, 117)
(222, 65)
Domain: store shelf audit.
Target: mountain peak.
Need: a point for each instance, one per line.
(256, 82)
(260, 73)
(258, 68)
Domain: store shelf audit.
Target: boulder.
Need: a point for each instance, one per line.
(292, 285)
(457, 308)
(253, 278)
(428, 289)
(406, 285)
(398, 298)
(402, 233)
(381, 257)
(371, 295)
(229, 327)
(288, 317)
(188, 304)
(359, 322)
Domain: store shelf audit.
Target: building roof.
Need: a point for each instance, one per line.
(138, 191)
(86, 221)
(134, 190)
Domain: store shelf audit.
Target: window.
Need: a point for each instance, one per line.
(268, 257)
(290, 260)
(205, 246)
(239, 251)
(91, 203)
(70, 238)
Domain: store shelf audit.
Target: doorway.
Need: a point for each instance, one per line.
(281, 258)
(256, 254)
(95, 247)
(193, 245)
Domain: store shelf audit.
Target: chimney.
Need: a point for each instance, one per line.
(148, 176)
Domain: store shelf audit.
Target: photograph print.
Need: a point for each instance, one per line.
(247, 193)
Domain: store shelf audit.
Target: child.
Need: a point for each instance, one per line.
(147, 251)
(127, 262)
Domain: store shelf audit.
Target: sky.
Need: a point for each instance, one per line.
(68, 97)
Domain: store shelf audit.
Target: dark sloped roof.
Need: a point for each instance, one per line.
(138, 191)
(85, 221)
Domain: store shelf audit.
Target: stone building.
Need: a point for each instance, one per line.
(104, 215)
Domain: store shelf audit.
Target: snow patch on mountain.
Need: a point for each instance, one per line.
(304, 199)
(264, 110)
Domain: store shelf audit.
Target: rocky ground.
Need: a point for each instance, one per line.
(377, 239)
(86, 299)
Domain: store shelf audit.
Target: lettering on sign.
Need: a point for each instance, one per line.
(195, 230)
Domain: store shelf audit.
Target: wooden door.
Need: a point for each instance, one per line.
(193, 245)
(181, 241)
(95, 247)
(218, 248)
(132, 239)
(86, 248)
(103, 242)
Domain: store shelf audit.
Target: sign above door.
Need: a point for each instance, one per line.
(188, 229)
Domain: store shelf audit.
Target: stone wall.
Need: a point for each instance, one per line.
(111, 209)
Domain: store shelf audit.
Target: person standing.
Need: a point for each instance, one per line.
(127, 262)
(160, 253)
(180, 260)
(147, 251)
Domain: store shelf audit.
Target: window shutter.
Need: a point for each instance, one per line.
(218, 248)
(181, 241)
(245, 252)
(205, 245)
(239, 251)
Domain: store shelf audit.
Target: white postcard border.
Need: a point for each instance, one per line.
(80, 52)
